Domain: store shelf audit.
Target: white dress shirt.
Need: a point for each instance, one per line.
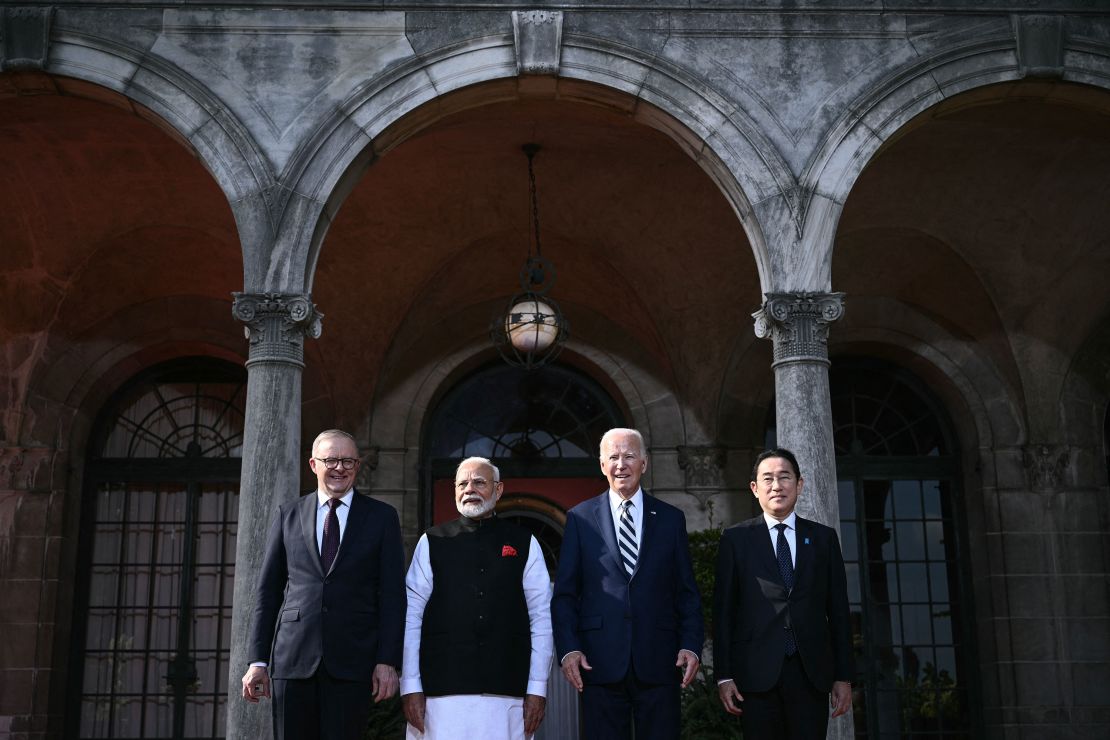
(637, 511)
(791, 533)
(537, 595)
(341, 511)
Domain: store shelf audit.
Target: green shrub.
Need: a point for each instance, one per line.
(703, 717)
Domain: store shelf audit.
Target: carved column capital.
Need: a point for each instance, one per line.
(798, 324)
(1045, 466)
(276, 325)
(538, 41)
(704, 465)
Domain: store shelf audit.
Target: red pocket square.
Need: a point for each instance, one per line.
(508, 551)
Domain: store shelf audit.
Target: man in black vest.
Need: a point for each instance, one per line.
(478, 629)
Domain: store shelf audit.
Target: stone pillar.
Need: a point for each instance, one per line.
(798, 324)
(276, 325)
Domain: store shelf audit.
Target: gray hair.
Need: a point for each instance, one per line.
(482, 461)
(328, 434)
(621, 432)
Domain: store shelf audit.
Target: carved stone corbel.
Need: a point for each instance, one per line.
(369, 465)
(1040, 45)
(1045, 466)
(538, 41)
(704, 465)
(24, 38)
(276, 325)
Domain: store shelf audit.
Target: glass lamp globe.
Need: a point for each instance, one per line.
(531, 326)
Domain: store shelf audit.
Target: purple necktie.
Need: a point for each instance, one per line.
(330, 545)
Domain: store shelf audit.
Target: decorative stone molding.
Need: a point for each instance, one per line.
(276, 325)
(704, 465)
(1040, 45)
(1045, 466)
(24, 38)
(798, 324)
(538, 40)
(20, 466)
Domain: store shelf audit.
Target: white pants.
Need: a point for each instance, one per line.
(471, 717)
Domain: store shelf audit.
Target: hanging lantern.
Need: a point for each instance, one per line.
(532, 330)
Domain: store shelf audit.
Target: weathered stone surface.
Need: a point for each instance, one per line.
(909, 144)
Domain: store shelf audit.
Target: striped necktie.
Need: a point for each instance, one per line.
(627, 538)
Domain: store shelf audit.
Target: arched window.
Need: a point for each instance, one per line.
(158, 550)
(541, 427)
(522, 416)
(900, 529)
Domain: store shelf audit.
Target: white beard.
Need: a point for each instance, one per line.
(477, 509)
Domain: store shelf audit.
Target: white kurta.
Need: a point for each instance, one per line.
(477, 716)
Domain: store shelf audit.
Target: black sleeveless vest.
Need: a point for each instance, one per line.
(475, 638)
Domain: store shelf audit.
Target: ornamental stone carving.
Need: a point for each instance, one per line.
(24, 38)
(369, 465)
(538, 40)
(704, 465)
(1045, 466)
(276, 325)
(798, 324)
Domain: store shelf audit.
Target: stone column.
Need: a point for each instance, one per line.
(798, 324)
(276, 325)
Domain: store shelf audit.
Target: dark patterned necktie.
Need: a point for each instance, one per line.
(786, 567)
(627, 542)
(330, 545)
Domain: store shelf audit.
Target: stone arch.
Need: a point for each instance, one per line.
(882, 113)
(72, 383)
(415, 379)
(721, 139)
(985, 409)
(75, 379)
(133, 78)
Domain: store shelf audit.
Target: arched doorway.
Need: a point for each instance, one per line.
(901, 530)
(540, 427)
(152, 632)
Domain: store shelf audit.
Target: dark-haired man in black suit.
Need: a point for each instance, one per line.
(782, 635)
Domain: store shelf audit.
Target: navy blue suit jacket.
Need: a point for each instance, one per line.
(351, 618)
(751, 607)
(620, 622)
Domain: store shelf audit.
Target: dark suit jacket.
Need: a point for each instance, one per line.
(751, 607)
(351, 618)
(617, 621)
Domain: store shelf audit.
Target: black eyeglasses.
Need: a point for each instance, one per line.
(331, 463)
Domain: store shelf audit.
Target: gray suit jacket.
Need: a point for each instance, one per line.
(350, 618)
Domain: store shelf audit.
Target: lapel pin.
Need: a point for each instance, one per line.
(653, 512)
(807, 540)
